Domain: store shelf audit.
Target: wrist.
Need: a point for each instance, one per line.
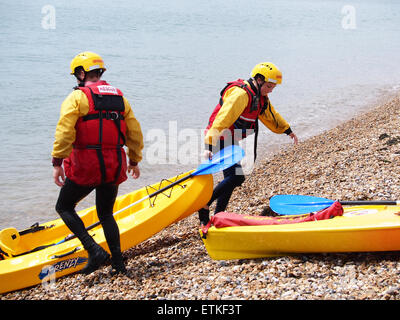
(208, 147)
(57, 162)
(132, 163)
(288, 131)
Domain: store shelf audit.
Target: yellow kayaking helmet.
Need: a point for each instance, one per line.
(270, 72)
(88, 61)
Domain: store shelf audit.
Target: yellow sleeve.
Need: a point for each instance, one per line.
(134, 136)
(273, 120)
(74, 106)
(234, 102)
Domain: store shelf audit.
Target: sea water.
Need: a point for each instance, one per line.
(171, 59)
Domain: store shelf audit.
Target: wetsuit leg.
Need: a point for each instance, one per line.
(105, 199)
(70, 194)
(233, 177)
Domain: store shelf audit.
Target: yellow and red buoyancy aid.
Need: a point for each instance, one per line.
(98, 155)
(247, 121)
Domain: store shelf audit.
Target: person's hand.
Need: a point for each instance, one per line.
(207, 155)
(58, 176)
(134, 171)
(294, 137)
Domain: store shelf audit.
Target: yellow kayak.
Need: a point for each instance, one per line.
(359, 229)
(25, 264)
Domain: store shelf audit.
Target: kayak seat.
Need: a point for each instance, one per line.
(9, 241)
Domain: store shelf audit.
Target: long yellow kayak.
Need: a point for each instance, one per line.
(359, 229)
(25, 264)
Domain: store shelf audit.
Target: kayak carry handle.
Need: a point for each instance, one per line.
(58, 256)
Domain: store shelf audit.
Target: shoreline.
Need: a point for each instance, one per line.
(358, 159)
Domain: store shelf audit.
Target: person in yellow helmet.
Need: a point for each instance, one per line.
(241, 105)
(95, 122)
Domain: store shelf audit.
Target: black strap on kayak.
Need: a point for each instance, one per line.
(34, 228)
(3, 254)
(33, 250)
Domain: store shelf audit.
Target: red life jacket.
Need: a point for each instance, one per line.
(98, 155)
(247, 121)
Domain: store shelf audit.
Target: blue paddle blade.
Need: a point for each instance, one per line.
(291, 204)
(222, 160)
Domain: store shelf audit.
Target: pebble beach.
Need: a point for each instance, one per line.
(357, 160)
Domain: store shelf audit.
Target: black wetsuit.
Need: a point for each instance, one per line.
(71, 193)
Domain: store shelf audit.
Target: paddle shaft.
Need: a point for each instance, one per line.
(370, 203)
(352, 203)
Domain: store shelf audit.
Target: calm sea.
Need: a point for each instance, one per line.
(171, 59)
